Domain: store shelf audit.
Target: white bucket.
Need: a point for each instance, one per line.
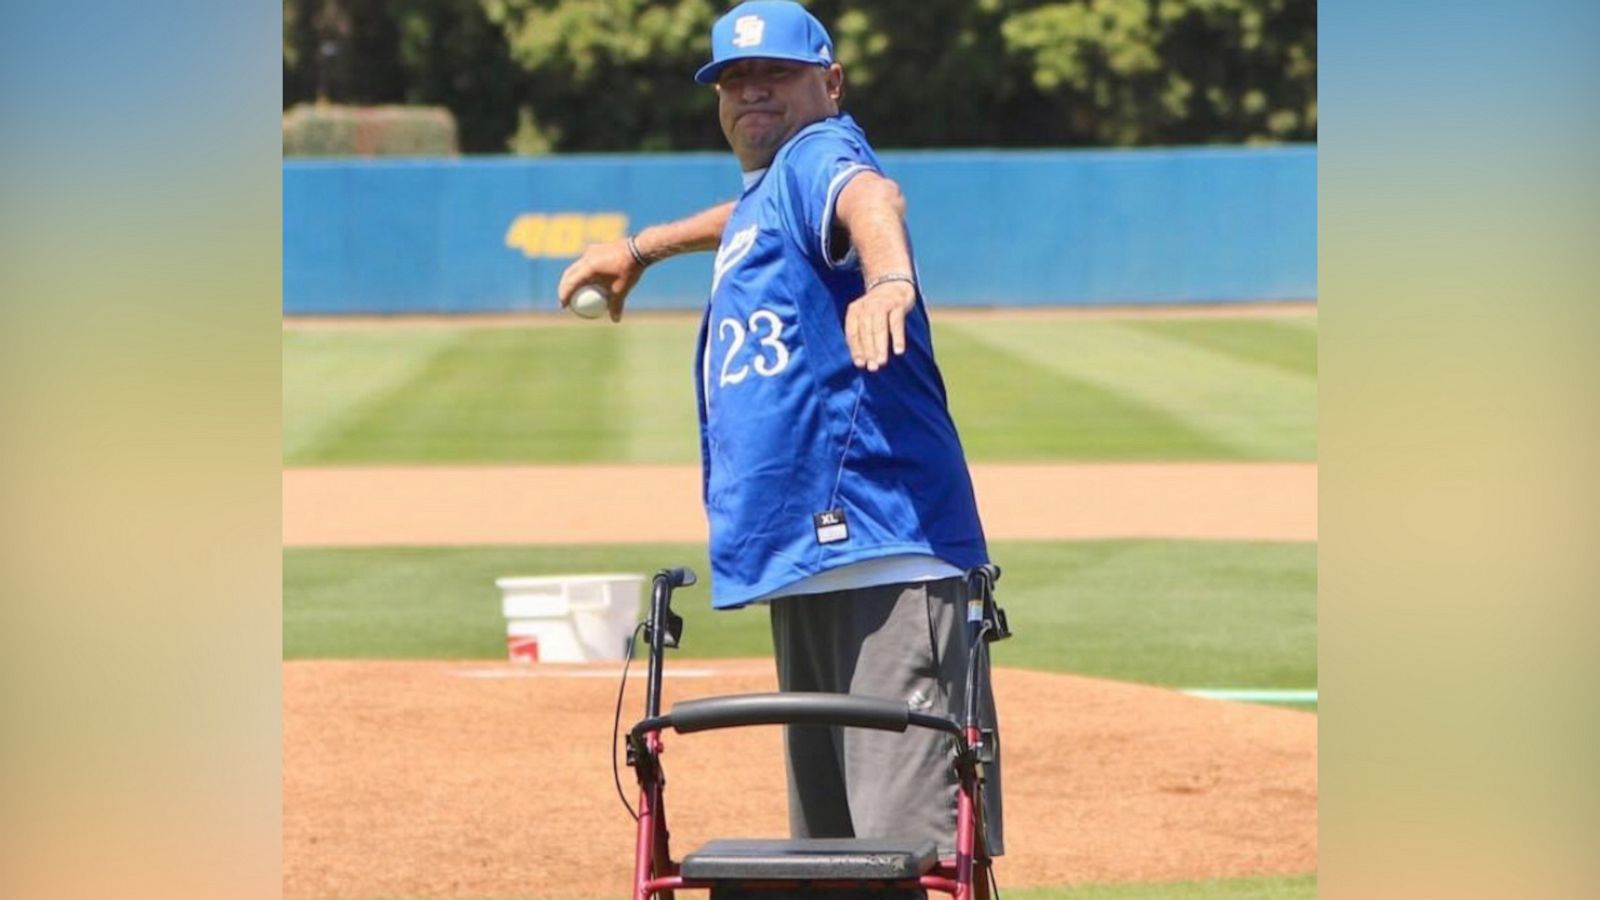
(570, 618)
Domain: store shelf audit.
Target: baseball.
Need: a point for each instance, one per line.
(589, 301)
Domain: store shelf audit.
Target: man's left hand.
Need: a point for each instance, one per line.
(875, 324)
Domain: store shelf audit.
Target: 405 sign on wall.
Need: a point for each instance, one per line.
(563, 234)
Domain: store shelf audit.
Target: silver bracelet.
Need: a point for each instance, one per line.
(892, 276)
(638, 257)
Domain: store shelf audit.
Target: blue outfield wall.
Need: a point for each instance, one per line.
(1026, 228)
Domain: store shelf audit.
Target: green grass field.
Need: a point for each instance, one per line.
(1175, 613)
(1073, 389)
(1180, 613)
(1193, 614)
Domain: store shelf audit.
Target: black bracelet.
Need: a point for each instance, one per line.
(638, 257)
(893, 276)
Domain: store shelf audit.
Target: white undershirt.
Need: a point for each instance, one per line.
(904, 568)
(753, 176)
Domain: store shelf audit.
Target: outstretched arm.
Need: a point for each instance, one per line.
(612, 264)
(873, 210)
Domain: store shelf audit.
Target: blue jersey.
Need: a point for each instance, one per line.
(810, 463)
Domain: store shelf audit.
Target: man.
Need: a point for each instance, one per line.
(834, 481)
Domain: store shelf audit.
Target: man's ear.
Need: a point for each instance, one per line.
(835, 82)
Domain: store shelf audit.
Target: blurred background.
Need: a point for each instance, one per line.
(452, 156)
(563, 76)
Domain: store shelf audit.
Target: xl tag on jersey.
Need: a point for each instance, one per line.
(831, 526)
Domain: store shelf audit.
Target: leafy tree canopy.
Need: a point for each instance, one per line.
(615, 75)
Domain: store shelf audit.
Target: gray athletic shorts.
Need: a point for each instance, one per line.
(903, 642)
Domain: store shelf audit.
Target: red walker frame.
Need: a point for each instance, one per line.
(657, 873)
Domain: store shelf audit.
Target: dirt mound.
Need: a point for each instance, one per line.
(453, 779)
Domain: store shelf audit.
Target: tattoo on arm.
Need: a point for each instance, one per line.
(701, 231)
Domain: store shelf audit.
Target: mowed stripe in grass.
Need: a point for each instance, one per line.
(1178, 613)
(1288, 343)
(1020, 389)
(1206, 377)
(657, 402)
(442, 603)
(329, 376)
(495, 395)
(1009, 407)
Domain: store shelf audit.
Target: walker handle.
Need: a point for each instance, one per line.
(795, 708)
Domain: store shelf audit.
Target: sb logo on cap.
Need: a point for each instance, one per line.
(748, 31)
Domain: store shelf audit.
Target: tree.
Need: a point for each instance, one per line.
(612, 74)
(454, 56)
(1127, 72)
(430, 52)
(572, 75)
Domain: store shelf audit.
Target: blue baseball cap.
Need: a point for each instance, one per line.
(766, 29)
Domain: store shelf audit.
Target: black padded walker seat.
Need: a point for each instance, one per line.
(810, 859)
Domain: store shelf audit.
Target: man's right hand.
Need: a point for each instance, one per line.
(613, 267)
(609, 265)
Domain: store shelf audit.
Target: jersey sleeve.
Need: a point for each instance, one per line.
(818, 167)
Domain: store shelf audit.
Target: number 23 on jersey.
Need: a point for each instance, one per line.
(767, 354)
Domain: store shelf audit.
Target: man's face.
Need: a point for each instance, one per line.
(762, 102)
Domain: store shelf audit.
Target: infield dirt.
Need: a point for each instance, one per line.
(610, 504)
(487, 780)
